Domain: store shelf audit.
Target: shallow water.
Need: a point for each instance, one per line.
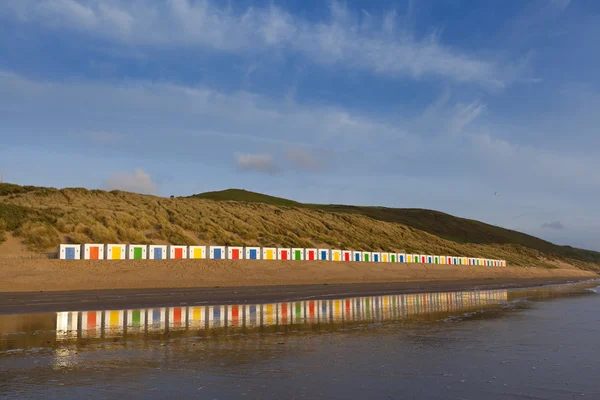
(537, 343)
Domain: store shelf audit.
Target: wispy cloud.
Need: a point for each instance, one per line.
(262, 163)
(138, 181)
(556, 225)
(347, 39)
(308, 159)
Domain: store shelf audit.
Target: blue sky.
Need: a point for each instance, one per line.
(431, 104)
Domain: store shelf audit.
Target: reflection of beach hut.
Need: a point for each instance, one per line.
(197, 252)
(253, 253)
(347, 255)
(69, 252)
(283, 254)
(336, 255)
(323, 254)
(137, 252)
(366, 256)
(216, 316)
(357, 256)
(284, 311)
(157, 252)
(235, 253)
(298, 254)
(115, 251)
(157, 319)
(177, 317)
(216, 253)
(311, 255)
(136, 320)
(92, 252)
(196, 317)
(177, 252)
(269, 253)
(235, 315)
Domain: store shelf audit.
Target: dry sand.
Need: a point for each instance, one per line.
(60, 275)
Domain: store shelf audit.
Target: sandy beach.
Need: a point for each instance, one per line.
(60, 275)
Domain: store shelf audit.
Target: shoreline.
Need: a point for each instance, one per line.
(44, 302)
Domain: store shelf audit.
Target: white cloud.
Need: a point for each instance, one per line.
(358, 41)
(257, 163)
(308, 158)
(139, 181)
(556, 225)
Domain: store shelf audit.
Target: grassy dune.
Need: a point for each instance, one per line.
(43, 217)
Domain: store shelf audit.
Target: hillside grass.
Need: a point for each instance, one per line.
(43, 216)
(449, 227)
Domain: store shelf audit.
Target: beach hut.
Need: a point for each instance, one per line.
(177, 252)
(436, 259)
(409, 258)
(346, 255)
(216, 252)
(366, 256)
(449, 261)
(269, 253)
(323, 254)
(69, 252)
(385, 257)
(311, 255)
(357, 256)
(393, 257)
(137, 252)
(298, 254)
(253, 253)
(92, 252)
(283, 254)
(402, 257)
(157, 252)
(115, 251)
(429, 259)
(376, 256)
(197, 252)
(235, 253)
(336, 255)
(464, 260)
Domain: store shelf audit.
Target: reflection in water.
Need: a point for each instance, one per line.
(99, 325)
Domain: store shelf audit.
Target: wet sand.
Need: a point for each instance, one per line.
(31, 302)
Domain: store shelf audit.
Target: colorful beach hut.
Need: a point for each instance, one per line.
(137, 252)
(336, 255)
(376, 256)
(269, 253)
(357, 256)
(311, 255)
(177, 252)
(283, 254)
(235, 253)
(324, 254)
(298, 254)
(366, 256)
(69, 252)
(92, 251)
(216, 252)
(346, 255)
(115, 251)
(402, 257)
(197, 252)
(253, 253)
(157, 252)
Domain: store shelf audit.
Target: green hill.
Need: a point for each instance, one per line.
(449, 227)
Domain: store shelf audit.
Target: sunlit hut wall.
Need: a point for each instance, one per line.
(115, 251)
(253, 253)
(157, 252)
(324, 255)
(346, 255)
(217, 252)
(311, 255)
(92, 251)
(197, 252)
(235, 253)
(336, 255)
(69, 252)
(269, 253)
(298, 254)
(177, 252)
(283, 254)
(137, 252)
